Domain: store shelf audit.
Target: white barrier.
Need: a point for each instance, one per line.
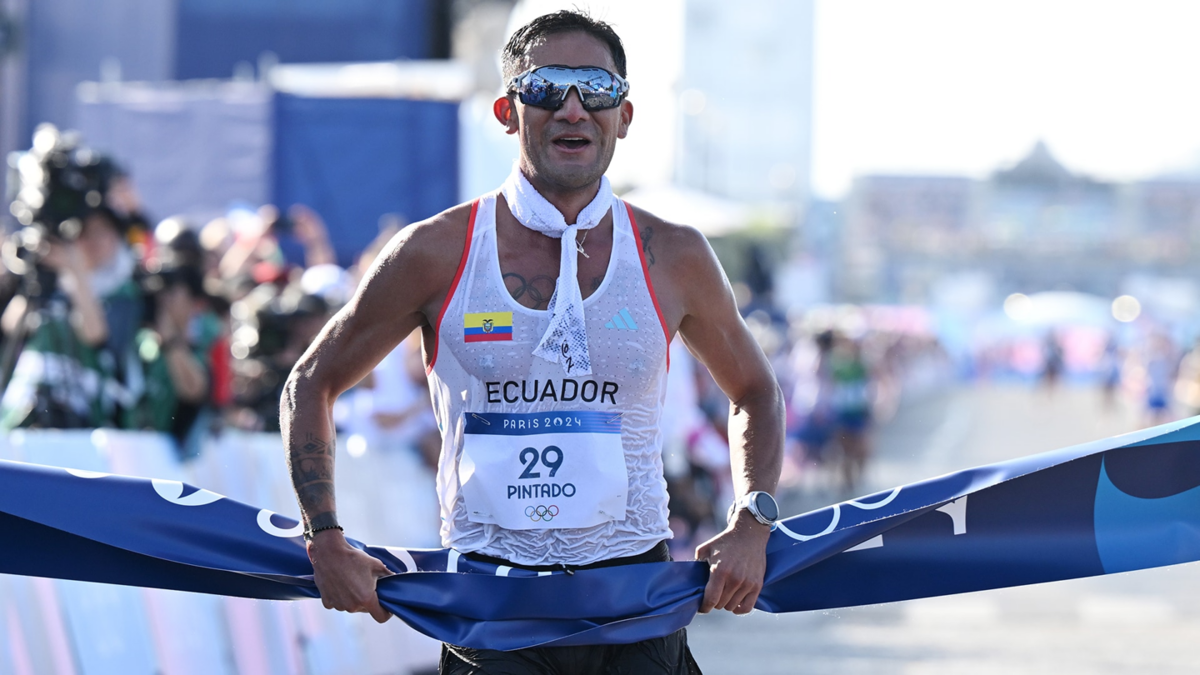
(386, 496)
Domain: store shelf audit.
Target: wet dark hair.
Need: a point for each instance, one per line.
(563, 21)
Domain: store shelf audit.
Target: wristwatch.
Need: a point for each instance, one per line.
(761, 505)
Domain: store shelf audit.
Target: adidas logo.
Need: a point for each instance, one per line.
(622, 320)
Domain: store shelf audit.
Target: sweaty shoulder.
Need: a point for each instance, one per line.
(418, 265)
(678, 258)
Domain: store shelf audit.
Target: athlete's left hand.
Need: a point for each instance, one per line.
(737, 563)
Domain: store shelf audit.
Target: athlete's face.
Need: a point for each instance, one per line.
(569, 148)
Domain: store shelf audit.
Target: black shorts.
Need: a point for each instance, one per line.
(667, 655)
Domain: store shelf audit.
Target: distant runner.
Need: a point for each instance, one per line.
(850, 399)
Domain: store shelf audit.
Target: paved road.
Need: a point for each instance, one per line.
(1140, 622)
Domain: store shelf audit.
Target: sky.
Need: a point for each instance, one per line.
(958, 87)
(953, 87)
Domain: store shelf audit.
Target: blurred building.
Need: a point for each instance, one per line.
(1030, 227)
(746, 100)
(898, 231)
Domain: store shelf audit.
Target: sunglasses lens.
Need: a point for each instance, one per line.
(538, 91)
(547, 87)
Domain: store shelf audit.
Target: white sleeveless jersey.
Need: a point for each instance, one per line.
(538, 467)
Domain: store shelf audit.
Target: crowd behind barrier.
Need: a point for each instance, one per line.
(190, 328)
(68, 627)
(162, 351)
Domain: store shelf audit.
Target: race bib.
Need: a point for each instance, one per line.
(536, 471)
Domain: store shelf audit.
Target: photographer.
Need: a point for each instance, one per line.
(70, 372)
(273, 327)
(176, 344)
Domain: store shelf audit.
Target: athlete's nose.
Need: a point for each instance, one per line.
(572, 109)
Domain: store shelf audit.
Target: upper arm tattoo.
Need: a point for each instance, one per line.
(647, 232)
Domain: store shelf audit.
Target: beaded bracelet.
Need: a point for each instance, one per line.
(308, 534)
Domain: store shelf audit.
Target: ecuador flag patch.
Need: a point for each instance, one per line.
(487, 327)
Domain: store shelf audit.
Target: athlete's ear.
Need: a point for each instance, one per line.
(506, 114)
(626, 118)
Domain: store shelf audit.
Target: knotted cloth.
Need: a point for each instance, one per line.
(1115, 505)
(565, 340)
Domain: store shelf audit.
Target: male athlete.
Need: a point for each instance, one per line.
(546, 310)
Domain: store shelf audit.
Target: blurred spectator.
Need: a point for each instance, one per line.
(180, 345)
(695, 457)
(1110, 373)
(310, 231)
(75, 366)
(809, 406)
(388, 415)
(279, 273)
(1052, 361)
(759, 279)
(1154, 368)
(272, 329)
(390, 408)
(850, 400)
(1187, 384)
(10, 287)
(254, 251)
(838, 387)
(266, 243)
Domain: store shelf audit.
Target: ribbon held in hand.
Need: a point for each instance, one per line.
(1115, 505)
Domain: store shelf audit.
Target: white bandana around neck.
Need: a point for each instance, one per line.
(565, 341)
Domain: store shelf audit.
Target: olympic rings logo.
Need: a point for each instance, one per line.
(543, 513)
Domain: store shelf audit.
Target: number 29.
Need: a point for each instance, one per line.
(551, 457)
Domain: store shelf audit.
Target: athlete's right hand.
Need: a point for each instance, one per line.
(346, 576)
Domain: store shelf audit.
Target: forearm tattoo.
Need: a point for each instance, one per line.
(311, 466)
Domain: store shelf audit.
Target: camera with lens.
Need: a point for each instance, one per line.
(177, 259)
(153, 283)
(273, 316)
(52, 188)
(54, 184)
(273, 327)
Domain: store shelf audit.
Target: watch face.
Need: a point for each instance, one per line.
(766, 506)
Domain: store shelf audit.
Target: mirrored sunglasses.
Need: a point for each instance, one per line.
(547, 87)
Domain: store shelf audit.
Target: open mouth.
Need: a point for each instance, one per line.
(572, 142)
